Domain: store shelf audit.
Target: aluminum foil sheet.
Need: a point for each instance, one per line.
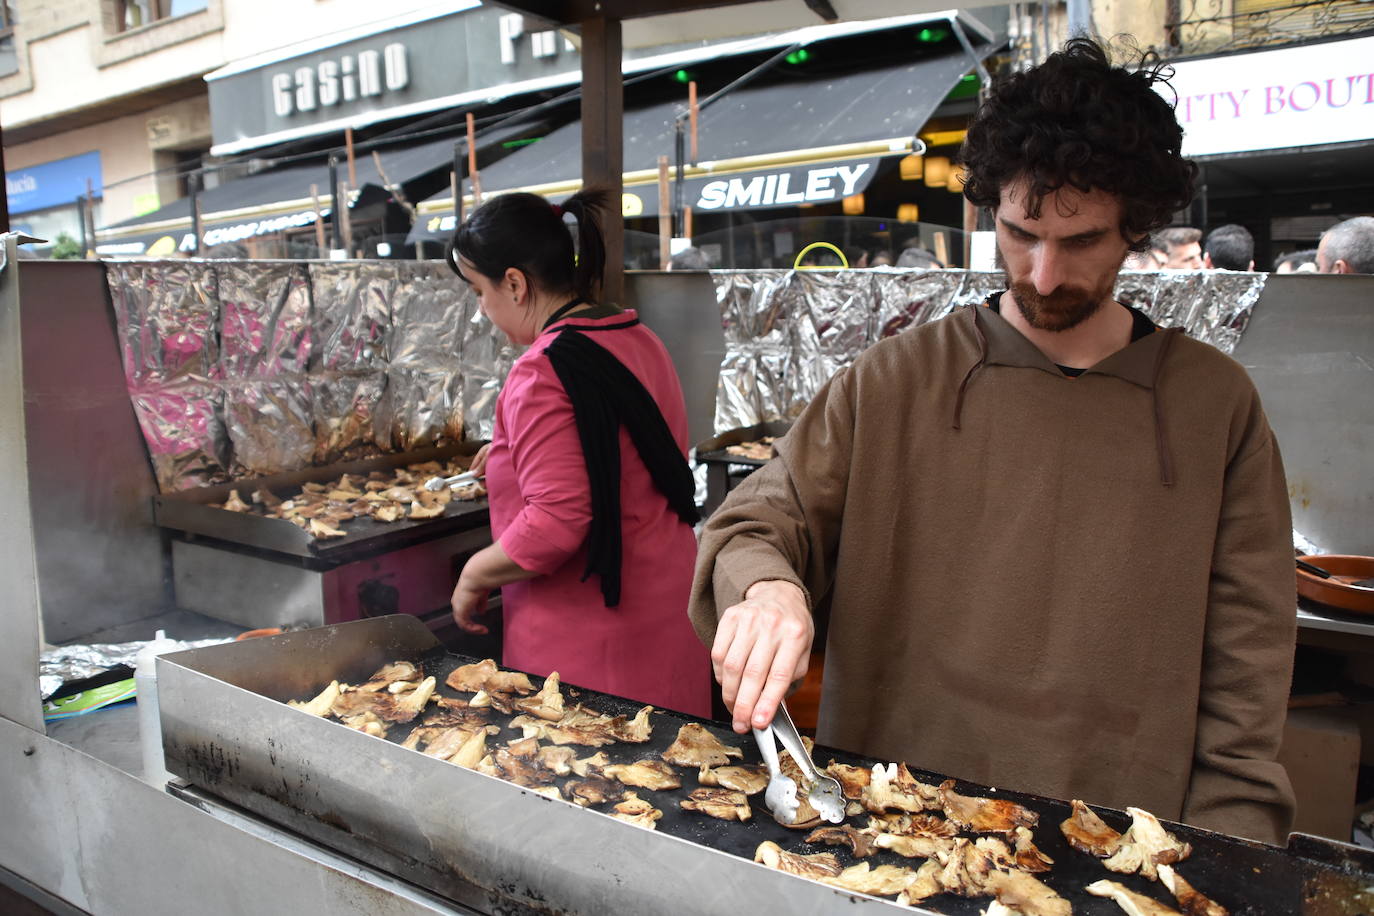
(243, 369)
(62, 664)
(788, 331)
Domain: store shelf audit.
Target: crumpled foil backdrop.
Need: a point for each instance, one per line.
(244, 369)
(788, 331)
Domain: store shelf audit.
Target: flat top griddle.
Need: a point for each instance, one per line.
(712, 451)
(464, 835)
(1245, 877)
(191, 511)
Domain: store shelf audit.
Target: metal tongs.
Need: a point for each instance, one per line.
(435, 484)
(781, 796)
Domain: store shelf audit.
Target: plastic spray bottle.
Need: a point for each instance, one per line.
(149, 724)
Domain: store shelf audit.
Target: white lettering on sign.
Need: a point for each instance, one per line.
(511, 28)
(1301, 96)
(24, 184)
(368, 74)
(775, 189)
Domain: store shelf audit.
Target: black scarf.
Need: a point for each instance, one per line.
(605, 396)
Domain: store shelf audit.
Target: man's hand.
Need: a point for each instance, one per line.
(762, 647)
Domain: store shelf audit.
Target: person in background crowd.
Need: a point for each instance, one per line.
(1229, 247)
(689, 258)
(1182, 247)
(880, 258)
(1300, 262)
(592, 500)
(1051, 540)
(919, 257)
(1347, 247)
(1140, 260)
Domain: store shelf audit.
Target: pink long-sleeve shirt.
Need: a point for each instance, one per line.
(645, 648)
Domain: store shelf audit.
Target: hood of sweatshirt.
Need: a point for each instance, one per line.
(1138, 363)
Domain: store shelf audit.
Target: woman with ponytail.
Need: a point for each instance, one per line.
(592, 500)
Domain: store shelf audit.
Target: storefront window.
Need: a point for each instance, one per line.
(135, 13)
(9, 56)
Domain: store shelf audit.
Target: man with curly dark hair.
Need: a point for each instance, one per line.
(1051, 540)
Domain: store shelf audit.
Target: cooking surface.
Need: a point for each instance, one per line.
(336, 774)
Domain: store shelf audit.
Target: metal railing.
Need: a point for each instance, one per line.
(1213, 26)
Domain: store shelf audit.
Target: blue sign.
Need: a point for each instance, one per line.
(53, 184)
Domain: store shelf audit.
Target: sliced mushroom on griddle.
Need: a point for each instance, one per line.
(893, 788)
(320, 528)
(884, 880)
(559, 760)
(518, 762)
(391, 707)
(582, 765)
(817, 865)
(456, 712)
(645, 774)
(547, 704)
(926, 884)
(1146, 845)
(967, 868)
(751, 780)
(724, 804)
(485, 675)
(473, 751)
(448, 742)
(588, 728)
(852, 780)
(914, 847)
(368, 723)
(860, 842)
(1131, 903)
(637, 811)
(902, 824)
(1025, 894)
(385, 677)
(697, 747)
(1086, 832)
(1027, 855)
(594, 790)
(984, 815)
(321, 704)
(1190, 901)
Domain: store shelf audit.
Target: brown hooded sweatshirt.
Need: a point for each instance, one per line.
(1078, 587)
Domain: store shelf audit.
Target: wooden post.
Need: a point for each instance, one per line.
(352, 166)
(687, 223)
(665, 216)
(472, 164)
(942, 248)
(319, 222)
(603, 151)
(692, 112)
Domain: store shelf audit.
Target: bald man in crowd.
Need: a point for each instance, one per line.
(1348, 247)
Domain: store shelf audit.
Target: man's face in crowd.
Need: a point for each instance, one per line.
(1184, 257)
(1061, 267)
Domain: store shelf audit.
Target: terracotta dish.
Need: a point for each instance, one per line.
(1335, 591)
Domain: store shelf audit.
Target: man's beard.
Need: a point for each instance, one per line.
(1066, 307)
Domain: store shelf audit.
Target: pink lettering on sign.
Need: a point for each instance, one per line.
(1331, 92)
(1236, 102)
(1273, 99)
(1304, 91)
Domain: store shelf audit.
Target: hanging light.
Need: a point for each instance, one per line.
(910, 167)
(854, 205)
(936, 171)
(955, 181)
(908, 213)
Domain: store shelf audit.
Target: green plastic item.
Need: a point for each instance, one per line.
(88, 700)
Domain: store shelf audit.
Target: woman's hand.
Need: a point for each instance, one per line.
(479, 461)
(762, 647)
(468, 602)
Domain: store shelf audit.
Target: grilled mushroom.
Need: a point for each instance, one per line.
(720, 803)
(646, 774)
(1146, 845)
(697, 747)
(1086, 832)
(883, 880)
(1132, 903)
(1189, 900)
(819, 865)
(637, 811)
(984, 815)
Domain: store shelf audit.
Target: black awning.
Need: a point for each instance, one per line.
(279, 198)
(799, 115)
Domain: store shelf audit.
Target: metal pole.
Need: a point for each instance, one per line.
(456, 176)
(679, 193)
(193, 185)
(335, 230)
(1080, 18)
